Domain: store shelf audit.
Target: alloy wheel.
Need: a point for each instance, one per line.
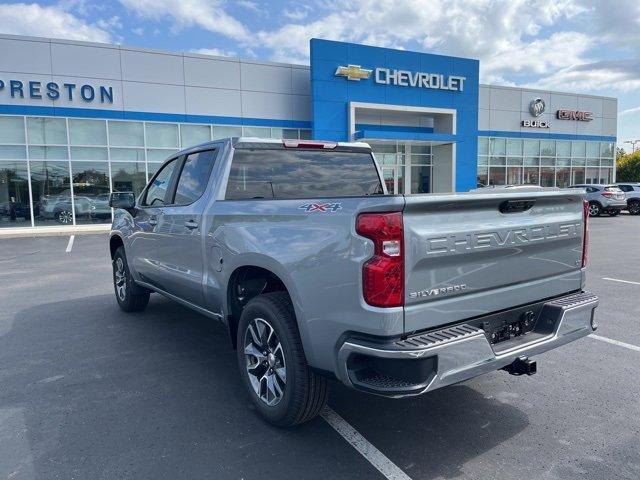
(594, 210)
(65, 217)
(265, 361)
(121, 280)
(634, 208)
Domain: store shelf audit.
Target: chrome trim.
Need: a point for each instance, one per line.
(470, 355)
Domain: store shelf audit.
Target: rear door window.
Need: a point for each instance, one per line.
(612, 188)
(296, 173)
(194, 177)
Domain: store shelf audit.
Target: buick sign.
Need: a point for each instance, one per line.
(537, 106)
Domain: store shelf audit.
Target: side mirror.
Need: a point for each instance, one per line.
(124, 200)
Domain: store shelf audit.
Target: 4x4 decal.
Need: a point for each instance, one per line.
(321, 207)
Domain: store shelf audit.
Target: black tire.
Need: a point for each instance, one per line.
(130, 297)
(634, 207)
(595, 210)
(304, 393)
(614, 213)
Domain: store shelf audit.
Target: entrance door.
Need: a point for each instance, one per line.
(406, 166)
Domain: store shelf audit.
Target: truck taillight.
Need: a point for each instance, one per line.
(585, 232)
(383, 274)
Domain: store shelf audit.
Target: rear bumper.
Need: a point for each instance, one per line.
(614, 204)
(431, 360)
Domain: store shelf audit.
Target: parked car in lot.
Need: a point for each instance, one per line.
(296, 247)
(604, 199)
(632, 192)
(89, 203)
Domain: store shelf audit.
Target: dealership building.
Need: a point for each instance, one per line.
(79, 120)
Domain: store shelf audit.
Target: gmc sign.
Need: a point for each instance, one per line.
(574, 115)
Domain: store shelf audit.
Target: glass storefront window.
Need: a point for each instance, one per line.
(531, 176)
(289, 133)
(497, 147)
(59, 153)
(531, 161)
(606, 149)
(483, 160)
(563, 148)
(51, 192)
(578, 162)
(562, 177)
(156, 155)
(531, 147)
(514, 146)
(49, 131)
(577, 175)
(578, 149)
(128, 177)
(514, 175)
(563, 162)
(548, 148)
(593, 149)
(606, 162)
(514, 161)
(126, 134)
(194, 135)
(14, 195)
(13, 152)
(420, 179)
(592, 175)
(482, 178)
(593, 162)
(547, 175)
(606, 175)
(162, 135)
(152, 168)
(548, 162)
(11, 130)
(483, 146)
(87, 132)
(89, 153)
(224, 132)
(497, 176)
(91, 192)
(305, 134)
(498, 161)
(260, 132)
(127, 154)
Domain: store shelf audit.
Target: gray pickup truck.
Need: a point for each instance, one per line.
(317, 272)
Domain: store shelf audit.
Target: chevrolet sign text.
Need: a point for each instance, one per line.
(405, 78)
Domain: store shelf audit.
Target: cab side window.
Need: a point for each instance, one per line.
(157, 190)
(625, 188)
(194, 177)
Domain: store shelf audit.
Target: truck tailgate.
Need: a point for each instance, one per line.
(471, 254)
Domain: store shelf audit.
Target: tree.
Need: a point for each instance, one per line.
(628, 167)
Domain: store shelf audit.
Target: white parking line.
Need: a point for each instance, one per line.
(70, 244)
(374, 456)
(621, 281)
(615, 342)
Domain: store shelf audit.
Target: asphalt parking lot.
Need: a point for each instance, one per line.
(89, 392)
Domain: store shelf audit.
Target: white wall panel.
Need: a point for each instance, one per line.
(504, 120)
(25, 56)
(301, 81)
(505, 99)
(149, 97)
(562, 102)
(152, 67)
(213, 101)
(85, 61)
(483, 119)
(265, 78)
(301, 105)
(484, 97)
(590, 104)
(267, 105)
(590, 128)
(203, 72)
(610, 108)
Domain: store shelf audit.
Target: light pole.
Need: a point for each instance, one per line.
(633, 144)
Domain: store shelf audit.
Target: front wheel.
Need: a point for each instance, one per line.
(130, 297)
(283, 388)
(634, 208)
(594, 210)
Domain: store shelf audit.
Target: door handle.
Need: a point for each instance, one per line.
(191, 224)
(153, 221)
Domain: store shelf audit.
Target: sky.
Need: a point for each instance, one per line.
(585, 46)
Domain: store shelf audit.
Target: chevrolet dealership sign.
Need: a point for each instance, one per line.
(403, 78)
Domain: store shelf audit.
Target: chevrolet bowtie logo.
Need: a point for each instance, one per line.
(353, 72)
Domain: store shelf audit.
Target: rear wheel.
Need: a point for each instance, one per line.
(283, 388)
(130, 297)
(594, 210)
(634, 207)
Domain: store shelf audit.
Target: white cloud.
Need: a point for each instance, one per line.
(138, 31)
(215, 52)
(620, 75)
(33, 19)
(250, 5)
(629, 111)
(296, 14)
(206, 14)
(109, 23)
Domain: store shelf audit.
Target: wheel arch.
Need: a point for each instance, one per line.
(115, 241)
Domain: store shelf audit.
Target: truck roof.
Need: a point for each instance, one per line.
(271, 142)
